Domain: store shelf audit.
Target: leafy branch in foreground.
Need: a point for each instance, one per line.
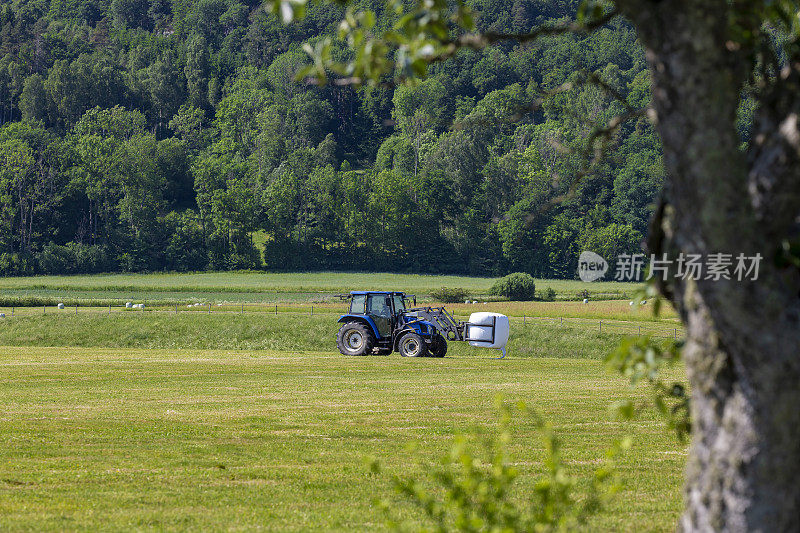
(474, 492)
(423, 33)
(643, 359)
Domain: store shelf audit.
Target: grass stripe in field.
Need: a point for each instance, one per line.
(608, 309)
(97, 438)
(226, 285)
(296, 332)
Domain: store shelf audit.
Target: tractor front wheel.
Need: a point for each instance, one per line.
(354, 339)
(438, 346)
(412, 345)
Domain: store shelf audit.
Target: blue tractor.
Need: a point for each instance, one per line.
(379, 323)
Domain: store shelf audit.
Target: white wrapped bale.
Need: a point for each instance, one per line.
(488, 330)
(61, 306)
(128, 305)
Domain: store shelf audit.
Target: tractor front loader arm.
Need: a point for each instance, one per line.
(448, 326)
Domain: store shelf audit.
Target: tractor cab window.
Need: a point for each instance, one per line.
(358, 304)
(380, 310)
(399, 304)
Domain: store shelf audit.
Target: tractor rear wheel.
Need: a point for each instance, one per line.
(438, 346)
(412, 345)
(354, 339)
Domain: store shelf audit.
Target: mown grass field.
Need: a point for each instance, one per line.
(261, 287)
(195, 439)
(231, 420)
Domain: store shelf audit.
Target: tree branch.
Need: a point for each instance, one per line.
(774, 155)
(479, 41)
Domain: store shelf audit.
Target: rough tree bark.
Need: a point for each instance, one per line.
(743, 339)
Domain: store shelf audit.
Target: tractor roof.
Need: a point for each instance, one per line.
(353, 293)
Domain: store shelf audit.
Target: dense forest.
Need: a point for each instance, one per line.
(143, 135)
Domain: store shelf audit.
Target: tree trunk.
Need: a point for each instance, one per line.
(743, 338)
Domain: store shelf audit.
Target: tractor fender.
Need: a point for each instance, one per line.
(416, 327)
(367, 321)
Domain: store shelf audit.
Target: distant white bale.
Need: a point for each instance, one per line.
(644, 302)
(219, 305)
(141, 306)
(61, 306)
(466, 301)
(630, 303)
(586, 300)
(488, 330)
(484, 303)
(474, 301)
(2, 315)
(188, 305)
(128, 305)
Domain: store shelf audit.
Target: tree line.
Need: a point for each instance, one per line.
(143, 135)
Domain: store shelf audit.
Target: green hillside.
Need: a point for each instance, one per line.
(155, 135)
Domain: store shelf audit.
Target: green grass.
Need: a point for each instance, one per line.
(188, 439)
(259, 286)
(295, 331)
(197, 421)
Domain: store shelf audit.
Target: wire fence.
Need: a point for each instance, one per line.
(661, 329)
(205, 308)
(666, 329)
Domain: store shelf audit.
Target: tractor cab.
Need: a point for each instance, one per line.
(379, 322)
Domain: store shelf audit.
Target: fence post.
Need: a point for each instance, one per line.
(176, 309)
(242, 309)
(76, 309)
(312, 310)
(601, 326)
(209, 309)
(640, 331)
(676, 333)
(276, 309)
(109, 309)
